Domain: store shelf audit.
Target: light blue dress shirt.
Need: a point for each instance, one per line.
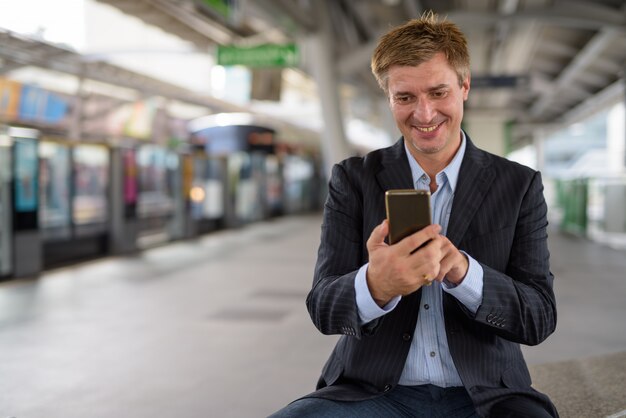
(429, 359)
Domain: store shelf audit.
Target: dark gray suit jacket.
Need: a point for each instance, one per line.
(498, 217)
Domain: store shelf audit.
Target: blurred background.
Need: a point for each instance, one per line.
(163, 166)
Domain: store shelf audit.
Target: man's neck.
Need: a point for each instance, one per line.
(433, 164)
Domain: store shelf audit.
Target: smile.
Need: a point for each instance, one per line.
(428, 128)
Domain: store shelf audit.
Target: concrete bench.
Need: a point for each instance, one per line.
(585, 388)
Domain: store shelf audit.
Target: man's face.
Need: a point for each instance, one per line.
(427, 105)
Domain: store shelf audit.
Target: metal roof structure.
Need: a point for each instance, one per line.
(535, 61)
(19, 51)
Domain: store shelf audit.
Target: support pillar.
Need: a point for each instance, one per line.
(335, 145)
(486, 131)
(539, 141)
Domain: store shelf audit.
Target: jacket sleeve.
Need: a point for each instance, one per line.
(331, 301)
(519, 303)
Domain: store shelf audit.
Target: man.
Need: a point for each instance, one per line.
(433, 332)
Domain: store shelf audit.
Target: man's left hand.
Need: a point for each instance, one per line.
(453, 264)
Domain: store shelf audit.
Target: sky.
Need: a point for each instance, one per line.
(132, 44)
(60, 20)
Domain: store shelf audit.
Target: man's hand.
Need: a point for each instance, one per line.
(398, 269)
(453, 265)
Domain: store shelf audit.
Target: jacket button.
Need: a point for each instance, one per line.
(406, 337)
(387, 388)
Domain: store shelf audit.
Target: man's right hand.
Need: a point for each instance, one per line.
(399, 270)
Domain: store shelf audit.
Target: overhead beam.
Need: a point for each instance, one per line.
(69, 62)
(610, 95)
(581, 61)
(558, 16)
(304, 18)
(191, 19)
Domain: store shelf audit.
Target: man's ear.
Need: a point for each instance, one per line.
(466, 87)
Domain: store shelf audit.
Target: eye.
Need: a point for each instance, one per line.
(438, 94)
(403, 98)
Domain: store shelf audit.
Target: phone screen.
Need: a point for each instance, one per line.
(408, 211)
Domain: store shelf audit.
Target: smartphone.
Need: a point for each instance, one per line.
(408, 211)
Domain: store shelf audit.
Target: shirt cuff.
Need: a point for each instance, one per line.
(368, 308)
(470, 291)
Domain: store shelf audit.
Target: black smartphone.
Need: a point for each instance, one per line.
(408, 211)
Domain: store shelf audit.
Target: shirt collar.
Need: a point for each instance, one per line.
(451, 171)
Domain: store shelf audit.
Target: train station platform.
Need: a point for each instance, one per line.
(217, 327)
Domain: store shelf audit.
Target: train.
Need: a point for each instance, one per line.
(62, 201)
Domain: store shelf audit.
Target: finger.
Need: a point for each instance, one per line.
(444, 268)
(416, 240)
(427, 280)
(452, 262)
(429, 272)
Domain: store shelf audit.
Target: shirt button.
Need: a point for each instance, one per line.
(387, 388)
(427, 306)
(432, 354)
(406, 337)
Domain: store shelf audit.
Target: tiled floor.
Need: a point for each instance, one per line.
(217, 327)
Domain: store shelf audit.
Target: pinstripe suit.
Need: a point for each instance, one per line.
(498, 217)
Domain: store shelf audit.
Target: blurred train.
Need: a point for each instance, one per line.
(61, 201)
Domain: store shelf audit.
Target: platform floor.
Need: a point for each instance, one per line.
(217, 327)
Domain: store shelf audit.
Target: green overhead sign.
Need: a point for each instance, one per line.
(267, 55)
(222, 7)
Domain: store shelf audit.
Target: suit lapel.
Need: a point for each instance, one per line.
(395, 171)
(475, 178)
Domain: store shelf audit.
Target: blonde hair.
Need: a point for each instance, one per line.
(417, 41)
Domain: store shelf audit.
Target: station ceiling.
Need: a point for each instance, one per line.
(533, 62)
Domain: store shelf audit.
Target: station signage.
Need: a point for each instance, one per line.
(260, 56)
(499, 81)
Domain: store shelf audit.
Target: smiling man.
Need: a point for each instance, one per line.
(432, 332)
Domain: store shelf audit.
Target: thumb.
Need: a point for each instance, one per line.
(379, 234)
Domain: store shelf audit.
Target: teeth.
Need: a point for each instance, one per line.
(429, 129)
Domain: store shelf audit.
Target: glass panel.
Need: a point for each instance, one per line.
(25, 174)
(54, 194)
(5, 205)
(91, 167)
(155, 194)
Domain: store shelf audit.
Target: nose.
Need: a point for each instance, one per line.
(424, 111)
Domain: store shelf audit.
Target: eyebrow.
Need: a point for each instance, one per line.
(434, 88)
(439, 87)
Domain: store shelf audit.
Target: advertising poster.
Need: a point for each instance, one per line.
(9, 98)
(130, 176)
(40, 105)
